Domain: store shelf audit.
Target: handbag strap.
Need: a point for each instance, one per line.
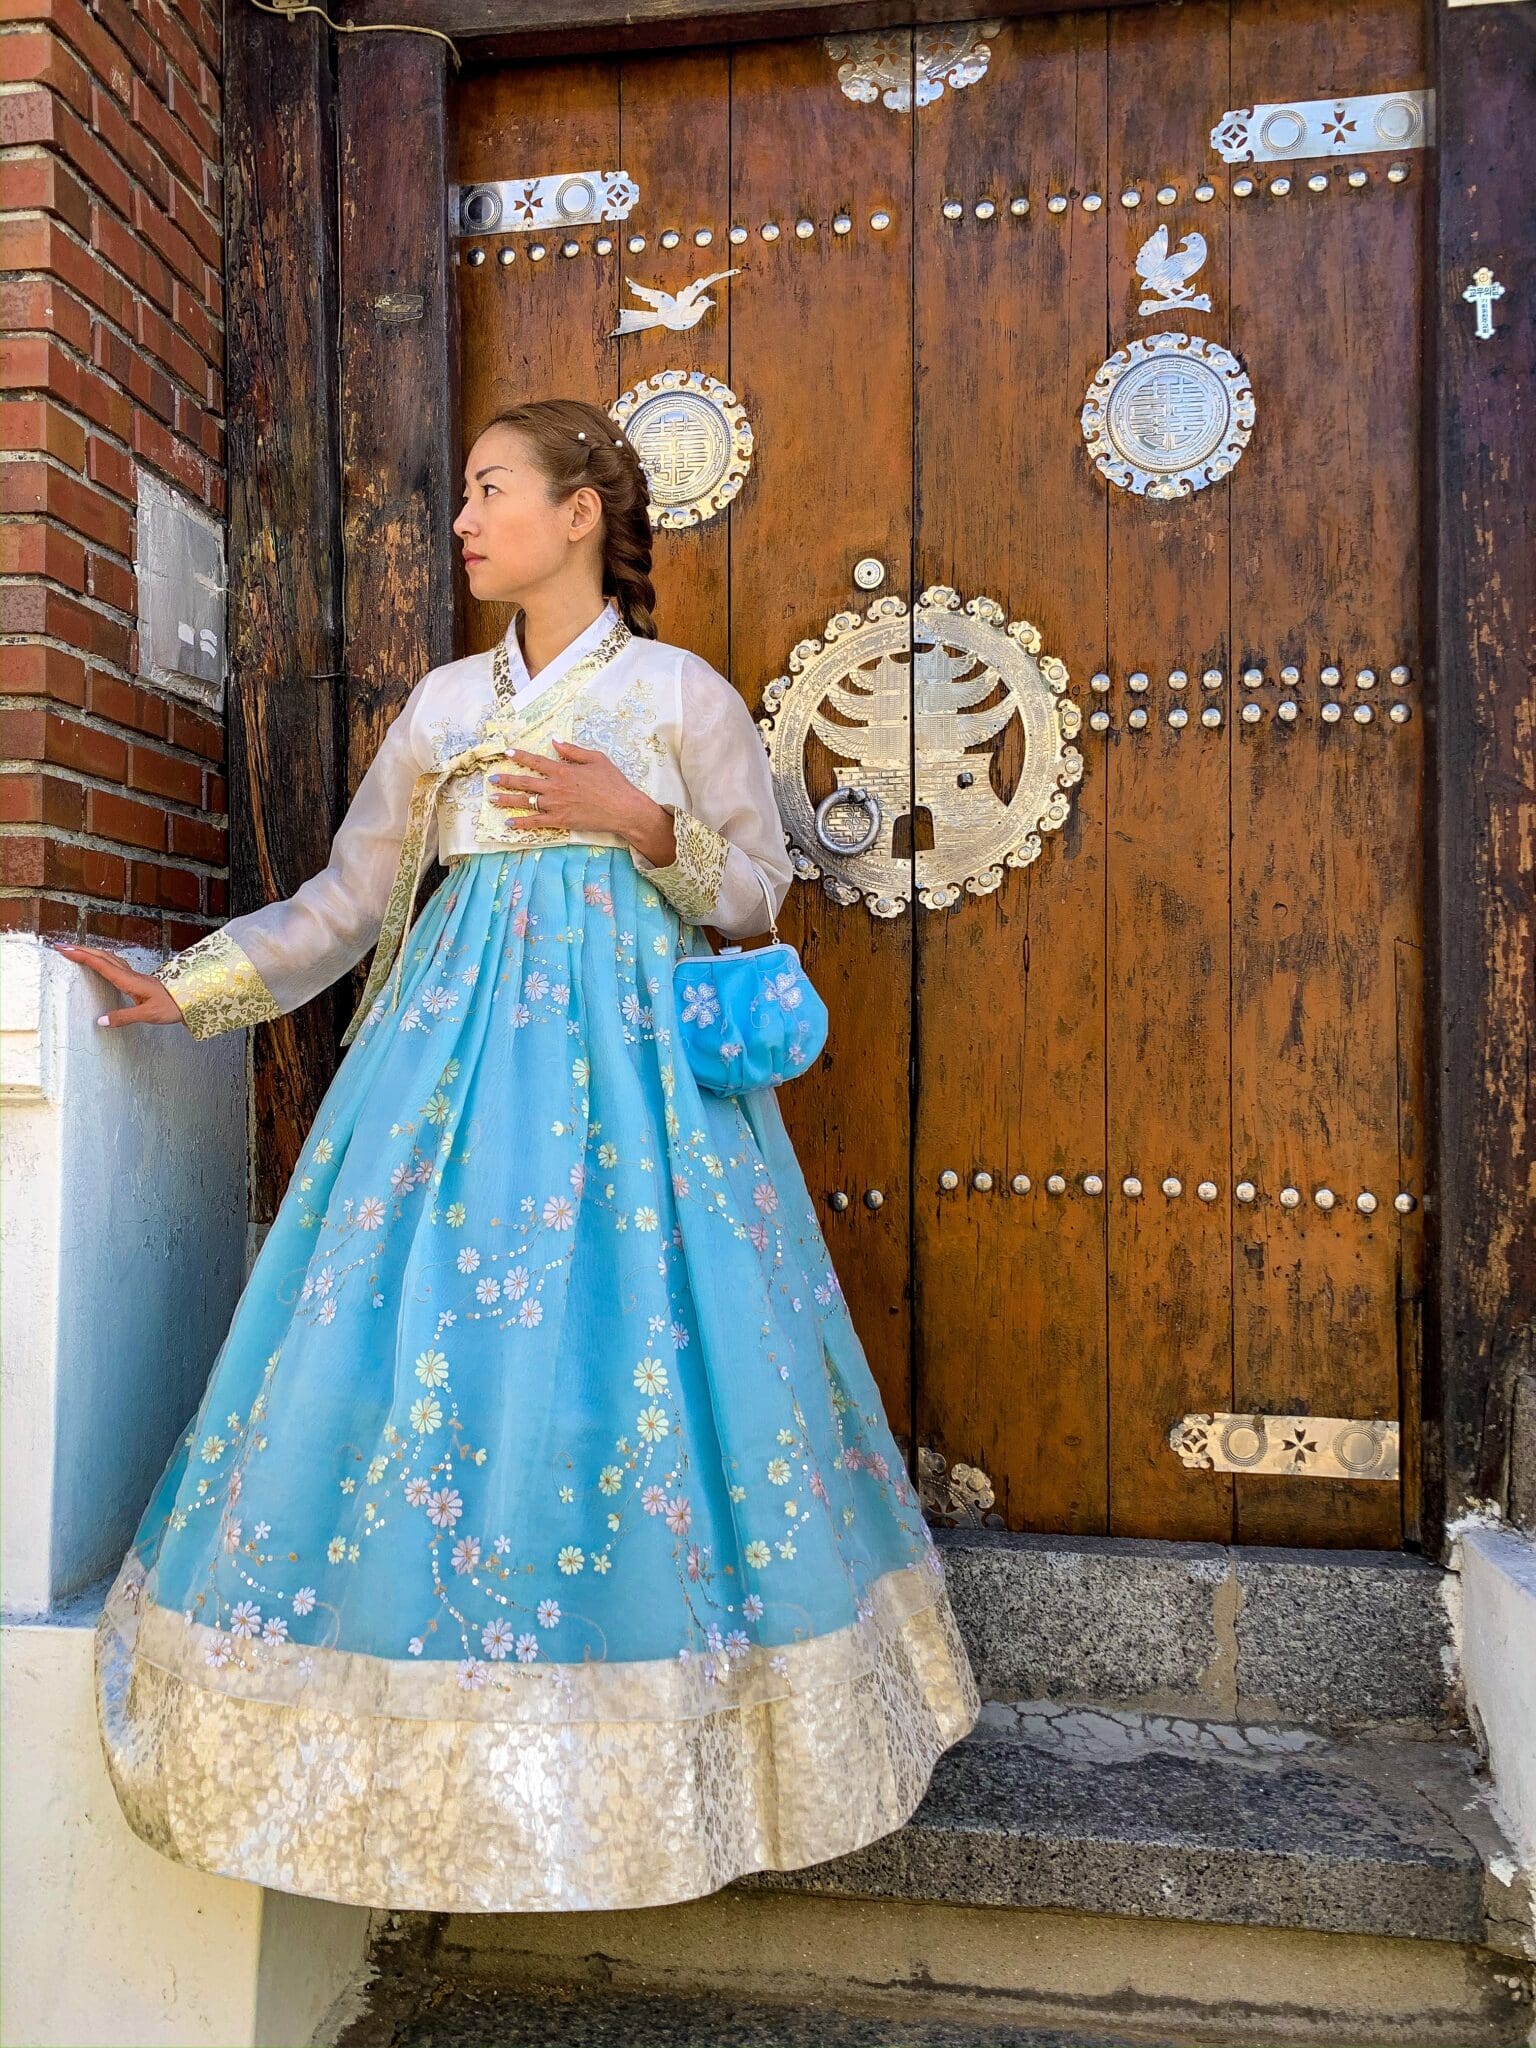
(773, 925)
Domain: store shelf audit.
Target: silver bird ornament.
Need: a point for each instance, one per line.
(1168, 275)
(677, 310)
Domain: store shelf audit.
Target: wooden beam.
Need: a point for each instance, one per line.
(1481, 926)
(488, 31)
(284, 561)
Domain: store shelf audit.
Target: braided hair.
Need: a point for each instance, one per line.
(576, 443)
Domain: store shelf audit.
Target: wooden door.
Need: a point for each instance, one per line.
(1206, 981)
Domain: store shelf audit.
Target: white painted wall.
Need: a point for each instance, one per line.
(1497, 1647)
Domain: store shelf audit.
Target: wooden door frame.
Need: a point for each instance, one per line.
(330, 629)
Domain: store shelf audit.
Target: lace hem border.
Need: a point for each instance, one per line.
(454, 1814)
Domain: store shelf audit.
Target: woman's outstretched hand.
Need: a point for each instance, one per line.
(153, 1002)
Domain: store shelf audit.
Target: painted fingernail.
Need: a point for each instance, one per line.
(101, 1020)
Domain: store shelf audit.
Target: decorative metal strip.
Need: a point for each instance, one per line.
(1294, 1446)
(518, 205)
(877, 66)
(1333, 127)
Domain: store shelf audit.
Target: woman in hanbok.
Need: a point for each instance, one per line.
(540, 1540)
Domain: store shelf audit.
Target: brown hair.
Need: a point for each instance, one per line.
(553, 428)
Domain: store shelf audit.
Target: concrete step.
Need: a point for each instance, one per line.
(437, 2015)
(1342, 1640)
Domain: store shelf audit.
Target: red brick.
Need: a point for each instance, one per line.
(172, 36)
(123, 703)
(110, 467)
(173, 349)
(36, 362)
(34, 547)
(141, 378)
(109, 816)
(213, 293)
(34, 669)
(157, 228)
(177, 933)
(87, 154)
(191, 317)
(126, 930)
(23, 860)
(204, 234)
(165, 888)
(215, 793)
(110, 582)
(20, 913)
(84, 34)
(151, 443)
(216, 895)
(125, 251)
(145, 54)
(130, 147)
(184, 104)
(43, 244)
(45, 184)
(59, 615)
(69, 744)
(30, 114)
(195, 734)
(30, 798)
(195, 425)
(152, 116)
(201, 24)
(167, 775)
(36, 426)
(197, 839)
(41, 305)
(38, 57)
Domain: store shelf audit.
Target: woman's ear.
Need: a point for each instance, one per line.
(586, 511)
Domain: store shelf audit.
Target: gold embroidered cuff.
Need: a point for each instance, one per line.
(216, 987)
(691, 880)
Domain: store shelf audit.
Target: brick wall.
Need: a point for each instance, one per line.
(112, 791)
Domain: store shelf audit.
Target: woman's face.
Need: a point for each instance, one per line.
(515, 539)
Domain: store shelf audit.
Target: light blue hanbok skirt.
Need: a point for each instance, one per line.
(540, 1540)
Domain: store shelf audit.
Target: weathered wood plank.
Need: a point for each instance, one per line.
(1481, 944)
(285, 632)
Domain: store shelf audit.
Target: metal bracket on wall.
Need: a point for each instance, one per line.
(1294, 1446)
(955, 1495)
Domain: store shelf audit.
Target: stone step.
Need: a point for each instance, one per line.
(1342, 1640)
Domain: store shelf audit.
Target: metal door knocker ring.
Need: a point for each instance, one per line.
(840, 839)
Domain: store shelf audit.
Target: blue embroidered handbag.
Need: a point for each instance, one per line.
(747, 1020)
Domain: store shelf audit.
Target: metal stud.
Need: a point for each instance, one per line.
(1290, 675)
(1204, 192)
(1399, 674)
(570, 248)
(1325, 1198)
(1130, 1186)
(1290, 1198)
(1242, 187)
(1365, 1202)
(1279, 186)
(873, 1199)
(1098, 682)
(1099, 720)
(805, 229)
(1092, 201)
(1178, 716)
(1177, 678)
(982, 1181)
(1137, 717)
(1173, 1185)
(1286, 709)
(1331, 713)
(1211, 680)
(1357, 178)
(1166, 195)
(1092, 1184)
(509, 254)
(1252, 713)
(1400, 714)
(1056, 204)
(1245, 1191)
(1330, 677)
(1211, 715)
(537, 252)
(838, 1199)
(1318, 182)
(635, 243)
(1365, 679)
(670, 238)
(1363, 714)
(738, 234)
(879, 219)
(703, 237)
(985, 208)
(952, 209)
(949, 1178)
(1020, 1183)
(1253, 677)
(1055, 1183)
(1130, 197)
(603, 246)
(1403, 1203)
(1207, 1191)
(1396, 173)
(769, 231)
(1019, 204)
(841, 224)
(1138, 679)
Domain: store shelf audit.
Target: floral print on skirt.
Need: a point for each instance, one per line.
(540, 1539)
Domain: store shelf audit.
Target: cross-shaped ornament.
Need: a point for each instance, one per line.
(1482, 292)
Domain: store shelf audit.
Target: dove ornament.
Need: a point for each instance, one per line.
(677, 310)
(1166, 274)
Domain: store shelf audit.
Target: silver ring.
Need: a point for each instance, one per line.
(533, 799)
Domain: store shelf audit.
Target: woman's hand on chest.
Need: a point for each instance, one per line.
(579, 789)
